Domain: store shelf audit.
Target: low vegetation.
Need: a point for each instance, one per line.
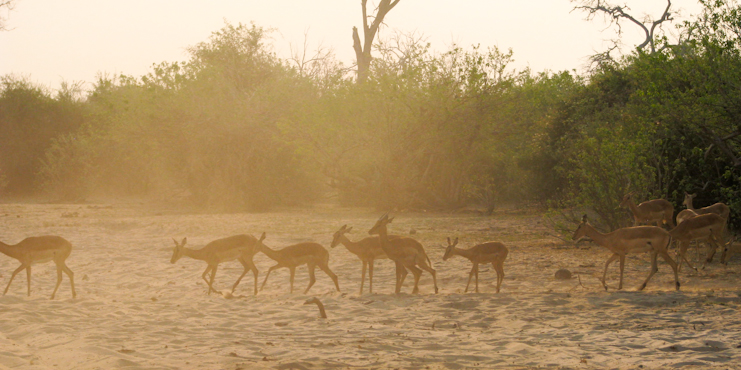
(237, 128)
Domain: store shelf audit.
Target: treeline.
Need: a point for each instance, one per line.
(237, 128)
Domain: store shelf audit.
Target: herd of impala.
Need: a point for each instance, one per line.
(704, 224)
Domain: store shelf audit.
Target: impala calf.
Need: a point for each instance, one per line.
(406, 253)
(489, 252)
(650, 211)
(636, 239)
(238, 247)
(39, 249)
(292, 256)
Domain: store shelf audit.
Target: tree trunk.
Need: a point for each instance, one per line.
(363, 50)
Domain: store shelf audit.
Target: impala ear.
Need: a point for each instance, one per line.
(175, 241)
(348, 230)
(185, 240)
(448, 240)
(584, 218)
(391, 219)
(343, 227)
(455, 242)
(262, 237)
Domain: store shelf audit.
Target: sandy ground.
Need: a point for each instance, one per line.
(135, 309)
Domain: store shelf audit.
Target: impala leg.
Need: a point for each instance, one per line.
(331, 275)
(370, 276)
(71, 276)
(211, 281)
(711, 253)
(654, 268)
(683, 256)
(248, 266)
(293, 275)
(499, 267)
(697, 250)
(28, 279)
(401, 274)
(673, 265)
(205, 272)
(476, 276)
(362, 277)
(268, 275)
(622, 268)
(424, 266)
(470, 276)
(59, 281)
(417, 275)
(19, 269)
(607, 264)
(312, 277)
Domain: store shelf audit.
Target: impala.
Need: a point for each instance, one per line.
(367, 249)
(39, 249)
(489, 252)
(307, 253)
(406, 253)
(636, 239)
(720, 209)
(238, 247)
(650, 211)
(707, 226)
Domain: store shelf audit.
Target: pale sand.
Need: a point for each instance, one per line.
(136, 310)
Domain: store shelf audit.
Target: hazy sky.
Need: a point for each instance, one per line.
(73, 40)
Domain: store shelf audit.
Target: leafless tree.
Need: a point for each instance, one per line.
(616, 15)
(5, 7)
(315, 66)
(363, 49)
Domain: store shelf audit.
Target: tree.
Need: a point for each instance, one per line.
(363, 50)
(616, 14)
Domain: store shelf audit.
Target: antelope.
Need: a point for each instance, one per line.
(307, 253)
(493, 252)
(718, 208)
(656, 210)
(39, 249)
(636, 239)
(706, 226)
(238, 247)
(406, 253)
(367, 249)
(685, 214)
(682, 216)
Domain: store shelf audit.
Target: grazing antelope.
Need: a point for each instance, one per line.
(636, 239)
(406, 253)
(39, 249)
(367, 249)
(708, 226)
(650, 211)
(493, 252)
(238, 247)
(292, 256)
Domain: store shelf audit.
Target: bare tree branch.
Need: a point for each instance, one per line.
(616, 13)
(8, 5)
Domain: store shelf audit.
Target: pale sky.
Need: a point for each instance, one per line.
(51, 41)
